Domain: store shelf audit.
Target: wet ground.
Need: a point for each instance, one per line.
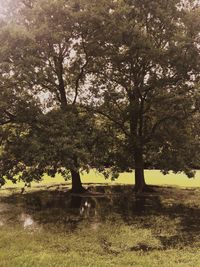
(110, 226)
(117, 204)
(38, 209)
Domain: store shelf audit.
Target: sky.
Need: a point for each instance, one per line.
(4, 3)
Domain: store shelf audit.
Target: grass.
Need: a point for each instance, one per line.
(84, 248)
(153, 177)
(160, 229)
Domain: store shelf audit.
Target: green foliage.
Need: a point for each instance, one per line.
(54, 143)
(148, 74)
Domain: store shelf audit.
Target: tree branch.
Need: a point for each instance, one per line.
(81, 73)
(158, 123)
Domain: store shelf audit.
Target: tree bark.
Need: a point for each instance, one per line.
(75, 175)
(76, 182)
(136, 133)
(140, 184)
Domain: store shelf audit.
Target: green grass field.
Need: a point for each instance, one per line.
(153, 177)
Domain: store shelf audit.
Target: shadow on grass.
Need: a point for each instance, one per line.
(172, 214)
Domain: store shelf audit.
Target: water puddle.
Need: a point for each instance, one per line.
(34, 210)
(115, 208)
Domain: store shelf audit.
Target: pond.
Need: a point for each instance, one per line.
(52, 227)
(46, 208)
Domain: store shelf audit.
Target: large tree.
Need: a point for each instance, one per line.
(43, 53)
(146, 73)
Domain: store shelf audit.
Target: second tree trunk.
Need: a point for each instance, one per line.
(139, 171)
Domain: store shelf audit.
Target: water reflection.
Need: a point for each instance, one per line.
(34, 210)
(27, 221)
(109, 208)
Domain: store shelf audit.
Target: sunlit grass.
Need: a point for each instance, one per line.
(85, 249)
(153, 177)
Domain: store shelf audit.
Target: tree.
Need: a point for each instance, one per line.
(147, 68)
(44, 55)
(51, 144)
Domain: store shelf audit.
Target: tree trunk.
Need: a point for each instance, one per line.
(136, 126)
(76, 179)
(76, 182)
(140, 184)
